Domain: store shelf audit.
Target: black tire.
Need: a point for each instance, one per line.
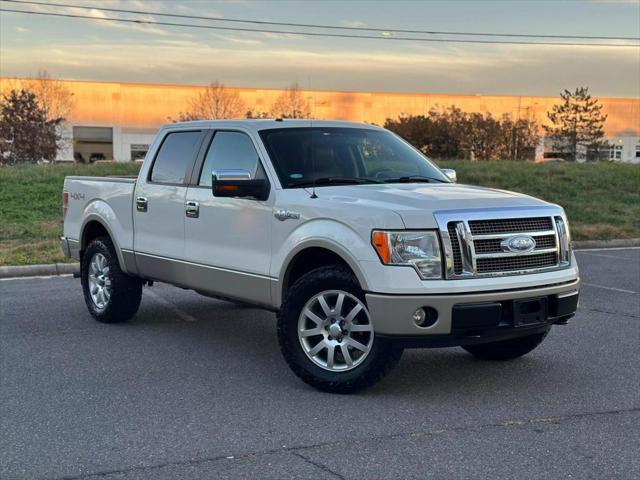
(382, 357)
(506, 349)
(126, 291)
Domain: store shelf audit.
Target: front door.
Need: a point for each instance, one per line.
(159, 210)
(228, 240)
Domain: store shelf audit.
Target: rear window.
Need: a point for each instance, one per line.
(176, 155)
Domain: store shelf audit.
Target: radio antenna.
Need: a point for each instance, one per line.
(313, 157)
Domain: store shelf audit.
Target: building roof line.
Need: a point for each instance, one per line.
(346, 92)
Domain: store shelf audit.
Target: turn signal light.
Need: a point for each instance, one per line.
(226, 188)
(380, 242)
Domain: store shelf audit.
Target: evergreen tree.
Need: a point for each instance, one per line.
(576, 122)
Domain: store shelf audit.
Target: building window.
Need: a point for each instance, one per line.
(138, 151)
(615, 152)
(92, 143)
(638, 151)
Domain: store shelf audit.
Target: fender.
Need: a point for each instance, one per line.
(324, 233)
(100, 211)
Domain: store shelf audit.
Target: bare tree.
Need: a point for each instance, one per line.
(214, 102)
(519, 138)
(53, 97)
(291, 104)
(453, 134)
(255, 114)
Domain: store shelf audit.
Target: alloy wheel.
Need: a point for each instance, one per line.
(335, 330)
(99, 281)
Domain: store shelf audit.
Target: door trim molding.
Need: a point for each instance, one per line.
(206, 279)
(222, 269)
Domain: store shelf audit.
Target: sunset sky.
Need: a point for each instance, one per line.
(90, 49)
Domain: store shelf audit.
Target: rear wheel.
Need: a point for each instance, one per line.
(506, 349)
(326, 335)
(111, 295)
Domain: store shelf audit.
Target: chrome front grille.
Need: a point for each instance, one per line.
(493, 245)
(455, 247)
(545, 241)
(510, 225)
(508, 264)
(478, 244)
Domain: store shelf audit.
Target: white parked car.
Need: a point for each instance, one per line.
(361, 245)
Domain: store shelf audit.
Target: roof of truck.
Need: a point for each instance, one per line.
(263, 124)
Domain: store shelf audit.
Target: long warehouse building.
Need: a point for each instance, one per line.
(117, 120)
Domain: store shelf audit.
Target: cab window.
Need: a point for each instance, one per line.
(175, 157)
(230, 151)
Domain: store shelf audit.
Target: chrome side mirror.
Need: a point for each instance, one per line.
(231, 174)
(451, 174)
(238, 184)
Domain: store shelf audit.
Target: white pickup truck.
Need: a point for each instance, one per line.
(361, 245)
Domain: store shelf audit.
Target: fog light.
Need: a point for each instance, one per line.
(419, 316)
(425, 316)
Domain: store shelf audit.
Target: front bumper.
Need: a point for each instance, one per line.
(469, 315)
(70, 248)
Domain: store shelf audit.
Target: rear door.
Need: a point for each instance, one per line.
(159, 206)
(228, 241)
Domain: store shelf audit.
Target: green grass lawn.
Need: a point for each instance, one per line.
(31, 209)
(602, 200)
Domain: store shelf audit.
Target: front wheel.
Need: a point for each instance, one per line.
(111, 295)
(326, 334)
(506, 349)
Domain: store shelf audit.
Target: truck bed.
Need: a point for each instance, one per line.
(109, 199)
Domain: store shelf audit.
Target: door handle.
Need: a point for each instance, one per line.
(142, 204)
(192, 209)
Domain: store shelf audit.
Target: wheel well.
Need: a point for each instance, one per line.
(307, 260)
(92, 229)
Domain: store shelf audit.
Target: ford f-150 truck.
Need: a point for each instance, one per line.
(359, 243)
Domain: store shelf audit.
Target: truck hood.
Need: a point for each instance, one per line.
(416, 203)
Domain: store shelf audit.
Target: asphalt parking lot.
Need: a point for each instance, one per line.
(196, 388)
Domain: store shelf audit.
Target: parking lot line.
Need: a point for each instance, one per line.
(602, 255)
(581, 250)
(622, 290)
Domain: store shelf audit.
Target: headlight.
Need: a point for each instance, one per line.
(421, 250)
(564, 237)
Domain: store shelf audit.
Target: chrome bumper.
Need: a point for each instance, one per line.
(70, 247)
(392, 314)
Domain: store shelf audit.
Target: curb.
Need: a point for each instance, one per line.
(17, 271)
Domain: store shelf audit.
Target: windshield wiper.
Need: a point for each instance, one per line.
(413, 179)
(334, 181)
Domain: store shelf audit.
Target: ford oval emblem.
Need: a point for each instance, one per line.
(518, 244)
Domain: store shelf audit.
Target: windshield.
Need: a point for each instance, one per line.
(338, 155)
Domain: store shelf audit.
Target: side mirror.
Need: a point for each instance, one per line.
(451, 173)
(238, 184)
